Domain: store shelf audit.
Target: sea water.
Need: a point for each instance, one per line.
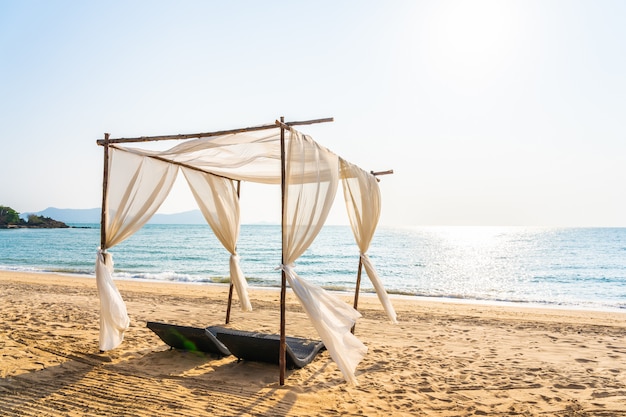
(569, 267)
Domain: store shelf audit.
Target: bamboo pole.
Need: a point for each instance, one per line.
(358, 288)
(105, 191)
(282, 360)
(308, 122)
(389, 171)
(230, 289)
(210, 134)
(189, 136)
(230, 302)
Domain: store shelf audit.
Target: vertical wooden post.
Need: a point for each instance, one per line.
(105, 192)
(282, 362)
(230, 302)
(358, 288)
(230, 289)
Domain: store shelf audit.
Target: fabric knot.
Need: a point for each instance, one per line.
(283, 267)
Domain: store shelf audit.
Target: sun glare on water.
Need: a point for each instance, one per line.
(472, 236)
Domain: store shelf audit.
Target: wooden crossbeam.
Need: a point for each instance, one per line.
(101, 142)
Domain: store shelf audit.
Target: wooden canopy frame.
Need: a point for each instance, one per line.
(107, 143)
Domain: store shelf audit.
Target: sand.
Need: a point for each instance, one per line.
(442, 359)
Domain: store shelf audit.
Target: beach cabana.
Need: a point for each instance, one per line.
(136, 181)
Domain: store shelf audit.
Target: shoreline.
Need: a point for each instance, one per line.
(392, 295)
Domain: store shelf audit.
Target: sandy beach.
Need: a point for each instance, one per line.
(442, 359)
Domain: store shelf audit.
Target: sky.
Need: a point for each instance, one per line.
(503, 113)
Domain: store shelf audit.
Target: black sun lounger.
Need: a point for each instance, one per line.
(189, 338)
(261, 347)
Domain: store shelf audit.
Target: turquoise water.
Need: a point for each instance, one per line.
(571, 267)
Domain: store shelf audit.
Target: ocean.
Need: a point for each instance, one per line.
(555, 267)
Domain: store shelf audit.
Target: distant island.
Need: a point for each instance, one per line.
(10, 219)
(81, 218)
(93, 215)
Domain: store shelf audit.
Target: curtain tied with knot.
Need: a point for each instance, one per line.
(114, 320)
(138, 186)
(217, 198)
(362, 196)
(310, 187)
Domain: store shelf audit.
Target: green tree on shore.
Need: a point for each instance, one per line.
(8, 216)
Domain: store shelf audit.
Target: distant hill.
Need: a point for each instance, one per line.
(70, 215)
(93, 216)
(186, 217)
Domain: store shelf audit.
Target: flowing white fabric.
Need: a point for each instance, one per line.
(218, 201)
(379, 288)
(136, 188)
(362, 196)
(250, 156)
(333, 319)
(311, 179)
(311, 184)
(114, 319)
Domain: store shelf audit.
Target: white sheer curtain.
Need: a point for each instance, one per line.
(362, 195)
(137, 186)
(311, 185)
(218, 201)
(250, 156)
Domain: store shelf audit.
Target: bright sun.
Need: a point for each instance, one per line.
(471, 40)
